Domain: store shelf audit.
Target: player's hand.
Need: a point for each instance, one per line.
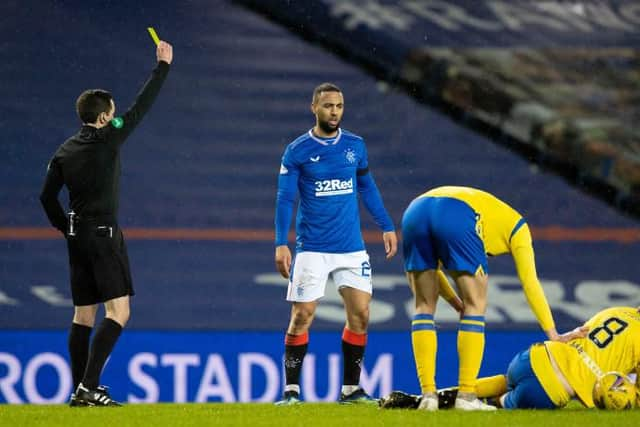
(579, 332)
(458, 306)
(390, 243)
(164, 52)
(283, 260)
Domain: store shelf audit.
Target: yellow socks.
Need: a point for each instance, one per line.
(470, 351)
(425, 346)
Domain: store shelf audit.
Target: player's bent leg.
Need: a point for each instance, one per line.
(471, 331)
(487, 387)
(525, 390)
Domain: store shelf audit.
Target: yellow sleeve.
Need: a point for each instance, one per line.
(447, 292)
(522, 252)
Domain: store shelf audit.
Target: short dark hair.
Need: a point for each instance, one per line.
(91, 103)
(324, 87)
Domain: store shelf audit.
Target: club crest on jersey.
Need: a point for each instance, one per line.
(333, 187)
(350, 155)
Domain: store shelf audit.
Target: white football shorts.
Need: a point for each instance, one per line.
(311, 270)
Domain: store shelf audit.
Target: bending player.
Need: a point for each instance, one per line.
(455, 229)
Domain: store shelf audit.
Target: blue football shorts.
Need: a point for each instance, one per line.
(525, 391)
(441, 229)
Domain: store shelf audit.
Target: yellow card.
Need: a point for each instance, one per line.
(153, 35)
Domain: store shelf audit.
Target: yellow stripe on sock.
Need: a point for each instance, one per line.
(472, 322)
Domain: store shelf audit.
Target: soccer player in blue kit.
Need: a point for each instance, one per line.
(328, 167)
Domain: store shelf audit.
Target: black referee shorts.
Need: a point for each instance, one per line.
(99, 264)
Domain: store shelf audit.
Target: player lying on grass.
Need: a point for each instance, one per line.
(593, 369)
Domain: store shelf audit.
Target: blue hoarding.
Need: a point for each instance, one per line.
(148, 367)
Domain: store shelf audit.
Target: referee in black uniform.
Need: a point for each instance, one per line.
(88, 163)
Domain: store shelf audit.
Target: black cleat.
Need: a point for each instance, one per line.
(399, 400)
(74, 402)
(447, 397)
(98, 397)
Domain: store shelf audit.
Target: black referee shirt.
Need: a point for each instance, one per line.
(88, 163)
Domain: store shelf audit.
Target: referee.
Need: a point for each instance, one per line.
(88, 163)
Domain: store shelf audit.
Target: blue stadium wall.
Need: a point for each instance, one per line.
(197, 198)
(232, 366)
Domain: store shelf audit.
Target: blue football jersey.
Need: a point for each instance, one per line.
(325, 174)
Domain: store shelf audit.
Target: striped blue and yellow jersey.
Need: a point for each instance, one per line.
(497, 222)
(503, 230)
(612, 344)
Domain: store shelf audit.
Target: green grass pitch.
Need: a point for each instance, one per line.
(307, 415)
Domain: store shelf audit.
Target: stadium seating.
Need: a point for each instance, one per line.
(207, 155)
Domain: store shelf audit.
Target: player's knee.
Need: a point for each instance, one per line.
(85, 315)
(359, 320)
(119, 314)
(302, 316)
(423, 305)
(120, 319)
(84, 319)
(124, 316)
(475, 306)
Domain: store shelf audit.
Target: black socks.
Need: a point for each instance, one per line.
(106, 336)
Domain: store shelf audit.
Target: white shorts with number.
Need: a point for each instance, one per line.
(311, 270)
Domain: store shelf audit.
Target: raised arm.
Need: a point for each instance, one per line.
(121, 127)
